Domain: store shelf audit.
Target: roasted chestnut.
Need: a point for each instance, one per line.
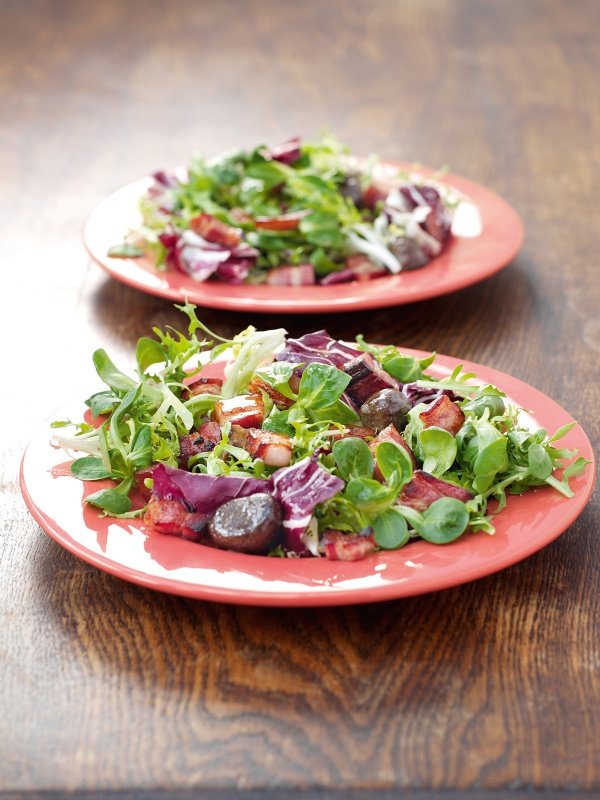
(247, 524)
(386, 407)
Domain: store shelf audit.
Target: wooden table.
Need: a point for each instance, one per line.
(107, 687)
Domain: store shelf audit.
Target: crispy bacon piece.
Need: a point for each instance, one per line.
(389, 434)
(199, 385)
(367, 378)
(215, 231)
(257, 385)
(247, 410)
(275, 449)
(443, 413)
(205, 439)
(291, 275)
(340, 546)
(172, 517)
(424, 489)
(282, 222)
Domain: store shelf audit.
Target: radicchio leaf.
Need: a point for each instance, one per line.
(298, 489)
(191, 254)
(319, 347)
(204, 492)
(286, 153)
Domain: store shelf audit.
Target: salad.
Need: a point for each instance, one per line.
(294, 215)
(303, 447)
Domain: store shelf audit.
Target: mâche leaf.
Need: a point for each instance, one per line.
(110, 501)
(390, 530)
(90, 468)
(125, 251)
(321, 386)
(394, 463)
(353, 458)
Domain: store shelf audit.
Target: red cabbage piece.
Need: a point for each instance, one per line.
(160, 190)
(419, 394)
(166, 179)
(199, 263)
(163, 485)
(204, 492)
(319, 347)
(341, 276)
(286, 153)
(191, 254)
(438, 221)
(234, 270)
(169, 240)
(298, 489)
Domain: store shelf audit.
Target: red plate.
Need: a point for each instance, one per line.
(173, 565)
(466, 260)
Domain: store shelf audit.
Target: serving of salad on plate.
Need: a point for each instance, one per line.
(307, 447)
(299, 214)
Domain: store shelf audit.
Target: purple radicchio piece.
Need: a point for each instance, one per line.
(191, 254)
(164, 179)
(419, 394)
(286, 153)
(205, 493)
(160, 190)
(341, 276)
(437, 222)
(163, 486)
(234, 270)
(298, 489)
(317, 347)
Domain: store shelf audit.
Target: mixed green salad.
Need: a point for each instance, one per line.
(298, 214)
(307, 446)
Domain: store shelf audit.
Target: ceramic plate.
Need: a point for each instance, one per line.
(491, 241)
(173, 565)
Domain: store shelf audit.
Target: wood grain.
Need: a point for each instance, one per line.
(109, 687)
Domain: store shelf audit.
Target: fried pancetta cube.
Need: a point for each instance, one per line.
(340, 546)
(367, 378)
(213, 230)
(172, 517)
(199, 385)
(424, 489)
(275, 449)
(205, 439)
(247, 410)
(291, 275)
(443, 413)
